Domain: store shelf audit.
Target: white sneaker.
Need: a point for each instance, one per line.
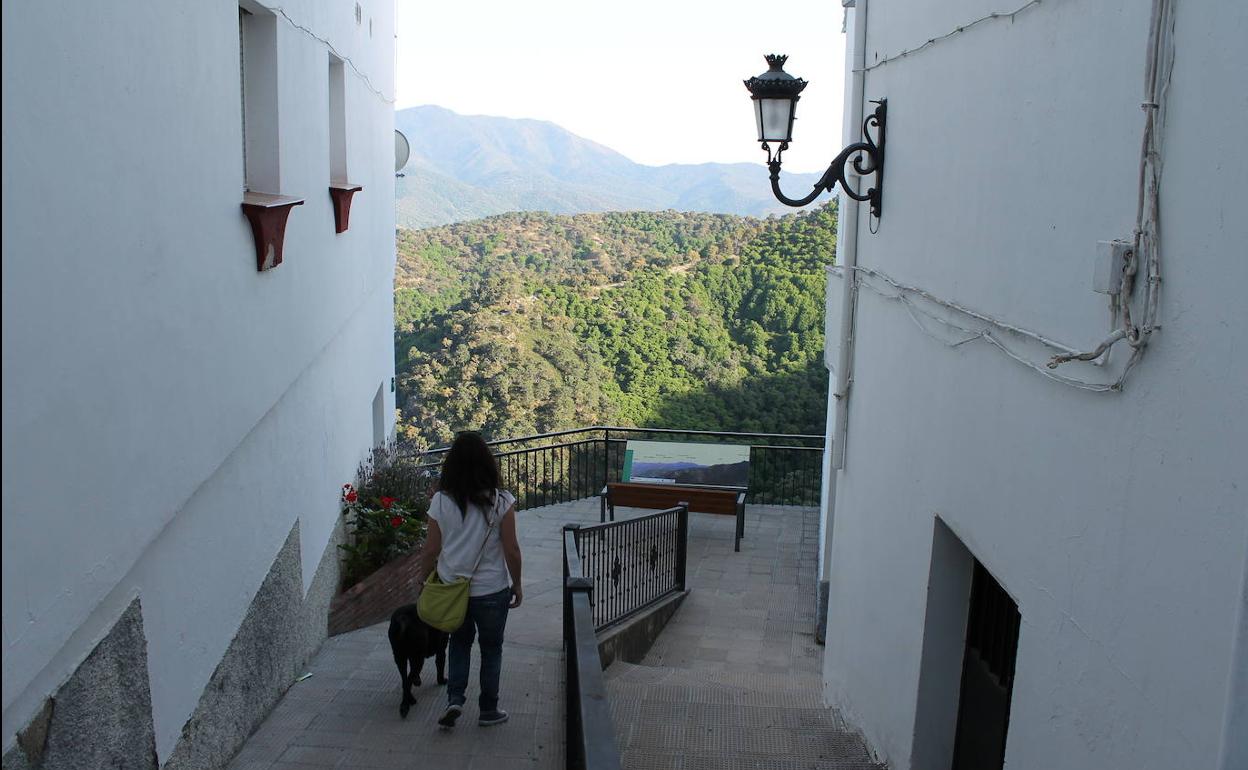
(495, 717)
(447, 720)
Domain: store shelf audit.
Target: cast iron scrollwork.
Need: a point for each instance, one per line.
(866, 157)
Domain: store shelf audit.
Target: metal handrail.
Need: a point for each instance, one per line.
(625, 429)
(571, 554)
(563, 445)
(590, 731)
(716, 433)
(579, 461)
(535, 436)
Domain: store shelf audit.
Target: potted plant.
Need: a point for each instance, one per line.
(385, 514)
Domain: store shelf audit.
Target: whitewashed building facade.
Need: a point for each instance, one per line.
(968, 480)
(177, 421)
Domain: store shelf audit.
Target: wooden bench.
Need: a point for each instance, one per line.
(728, 502)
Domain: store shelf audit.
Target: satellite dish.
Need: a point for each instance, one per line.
(402, 151)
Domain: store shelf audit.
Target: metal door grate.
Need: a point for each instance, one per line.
(992, 629)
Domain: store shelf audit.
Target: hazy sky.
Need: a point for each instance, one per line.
(658, 80)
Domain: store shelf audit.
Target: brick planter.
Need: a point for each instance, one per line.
(373, 599)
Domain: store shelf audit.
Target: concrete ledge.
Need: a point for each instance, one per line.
(631, 640)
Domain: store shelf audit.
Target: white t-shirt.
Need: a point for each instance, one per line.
(462, 536)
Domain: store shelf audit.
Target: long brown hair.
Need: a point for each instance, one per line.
(469, 472)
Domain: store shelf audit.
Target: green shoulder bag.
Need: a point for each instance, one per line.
(445, 605)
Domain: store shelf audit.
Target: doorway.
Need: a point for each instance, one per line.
(988, 659)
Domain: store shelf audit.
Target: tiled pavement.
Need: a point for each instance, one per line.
(733, 682)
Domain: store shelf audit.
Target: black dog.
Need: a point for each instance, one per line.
(412, 640)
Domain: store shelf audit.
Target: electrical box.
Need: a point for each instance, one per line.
(1107, 273)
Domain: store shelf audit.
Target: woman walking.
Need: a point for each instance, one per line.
(472, 534)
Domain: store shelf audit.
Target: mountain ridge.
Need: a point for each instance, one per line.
(465, 167)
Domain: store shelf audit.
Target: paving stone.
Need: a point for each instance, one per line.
(327, 739)
(732, 683)
(320, 756)
(510, 763)
(649, 760)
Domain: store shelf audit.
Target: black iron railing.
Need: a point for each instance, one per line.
(633, 563)
(559, 467)
(785, 475)
(589, 730)
(557, 472)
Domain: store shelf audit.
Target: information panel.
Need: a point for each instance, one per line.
(676, 462)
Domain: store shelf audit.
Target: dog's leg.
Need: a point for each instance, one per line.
(441, 661)
(405, 682)
(418, 663)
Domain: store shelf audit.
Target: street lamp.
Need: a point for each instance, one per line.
(775, 94)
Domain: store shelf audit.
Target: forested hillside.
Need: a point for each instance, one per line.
(529, 322)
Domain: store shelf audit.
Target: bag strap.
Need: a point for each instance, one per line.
(493, 521)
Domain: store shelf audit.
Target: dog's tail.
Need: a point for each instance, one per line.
(398, 625)
(404, 617)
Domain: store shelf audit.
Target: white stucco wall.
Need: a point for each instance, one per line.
(1116, 521)
(170, 412)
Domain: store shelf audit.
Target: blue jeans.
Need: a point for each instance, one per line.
(487, 617)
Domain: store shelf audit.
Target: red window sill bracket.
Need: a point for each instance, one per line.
(341, 193)
(268, 214)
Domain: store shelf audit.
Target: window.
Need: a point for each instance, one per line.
(337, 120)
(242, 87)
(257, 48)
(379, 416)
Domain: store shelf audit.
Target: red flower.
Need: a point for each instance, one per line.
(387, 502)
(348, 493)
(396, 521)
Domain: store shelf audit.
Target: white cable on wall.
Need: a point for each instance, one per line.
(1146, 246)
(282, 12)
(999, 334)
(1145, 254)
(956, 31)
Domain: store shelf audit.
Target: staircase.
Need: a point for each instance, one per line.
(734, 681)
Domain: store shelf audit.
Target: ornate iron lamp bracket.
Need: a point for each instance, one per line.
(865, 157)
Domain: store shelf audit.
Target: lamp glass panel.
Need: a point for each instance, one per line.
(774, 119)
(758, 118)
